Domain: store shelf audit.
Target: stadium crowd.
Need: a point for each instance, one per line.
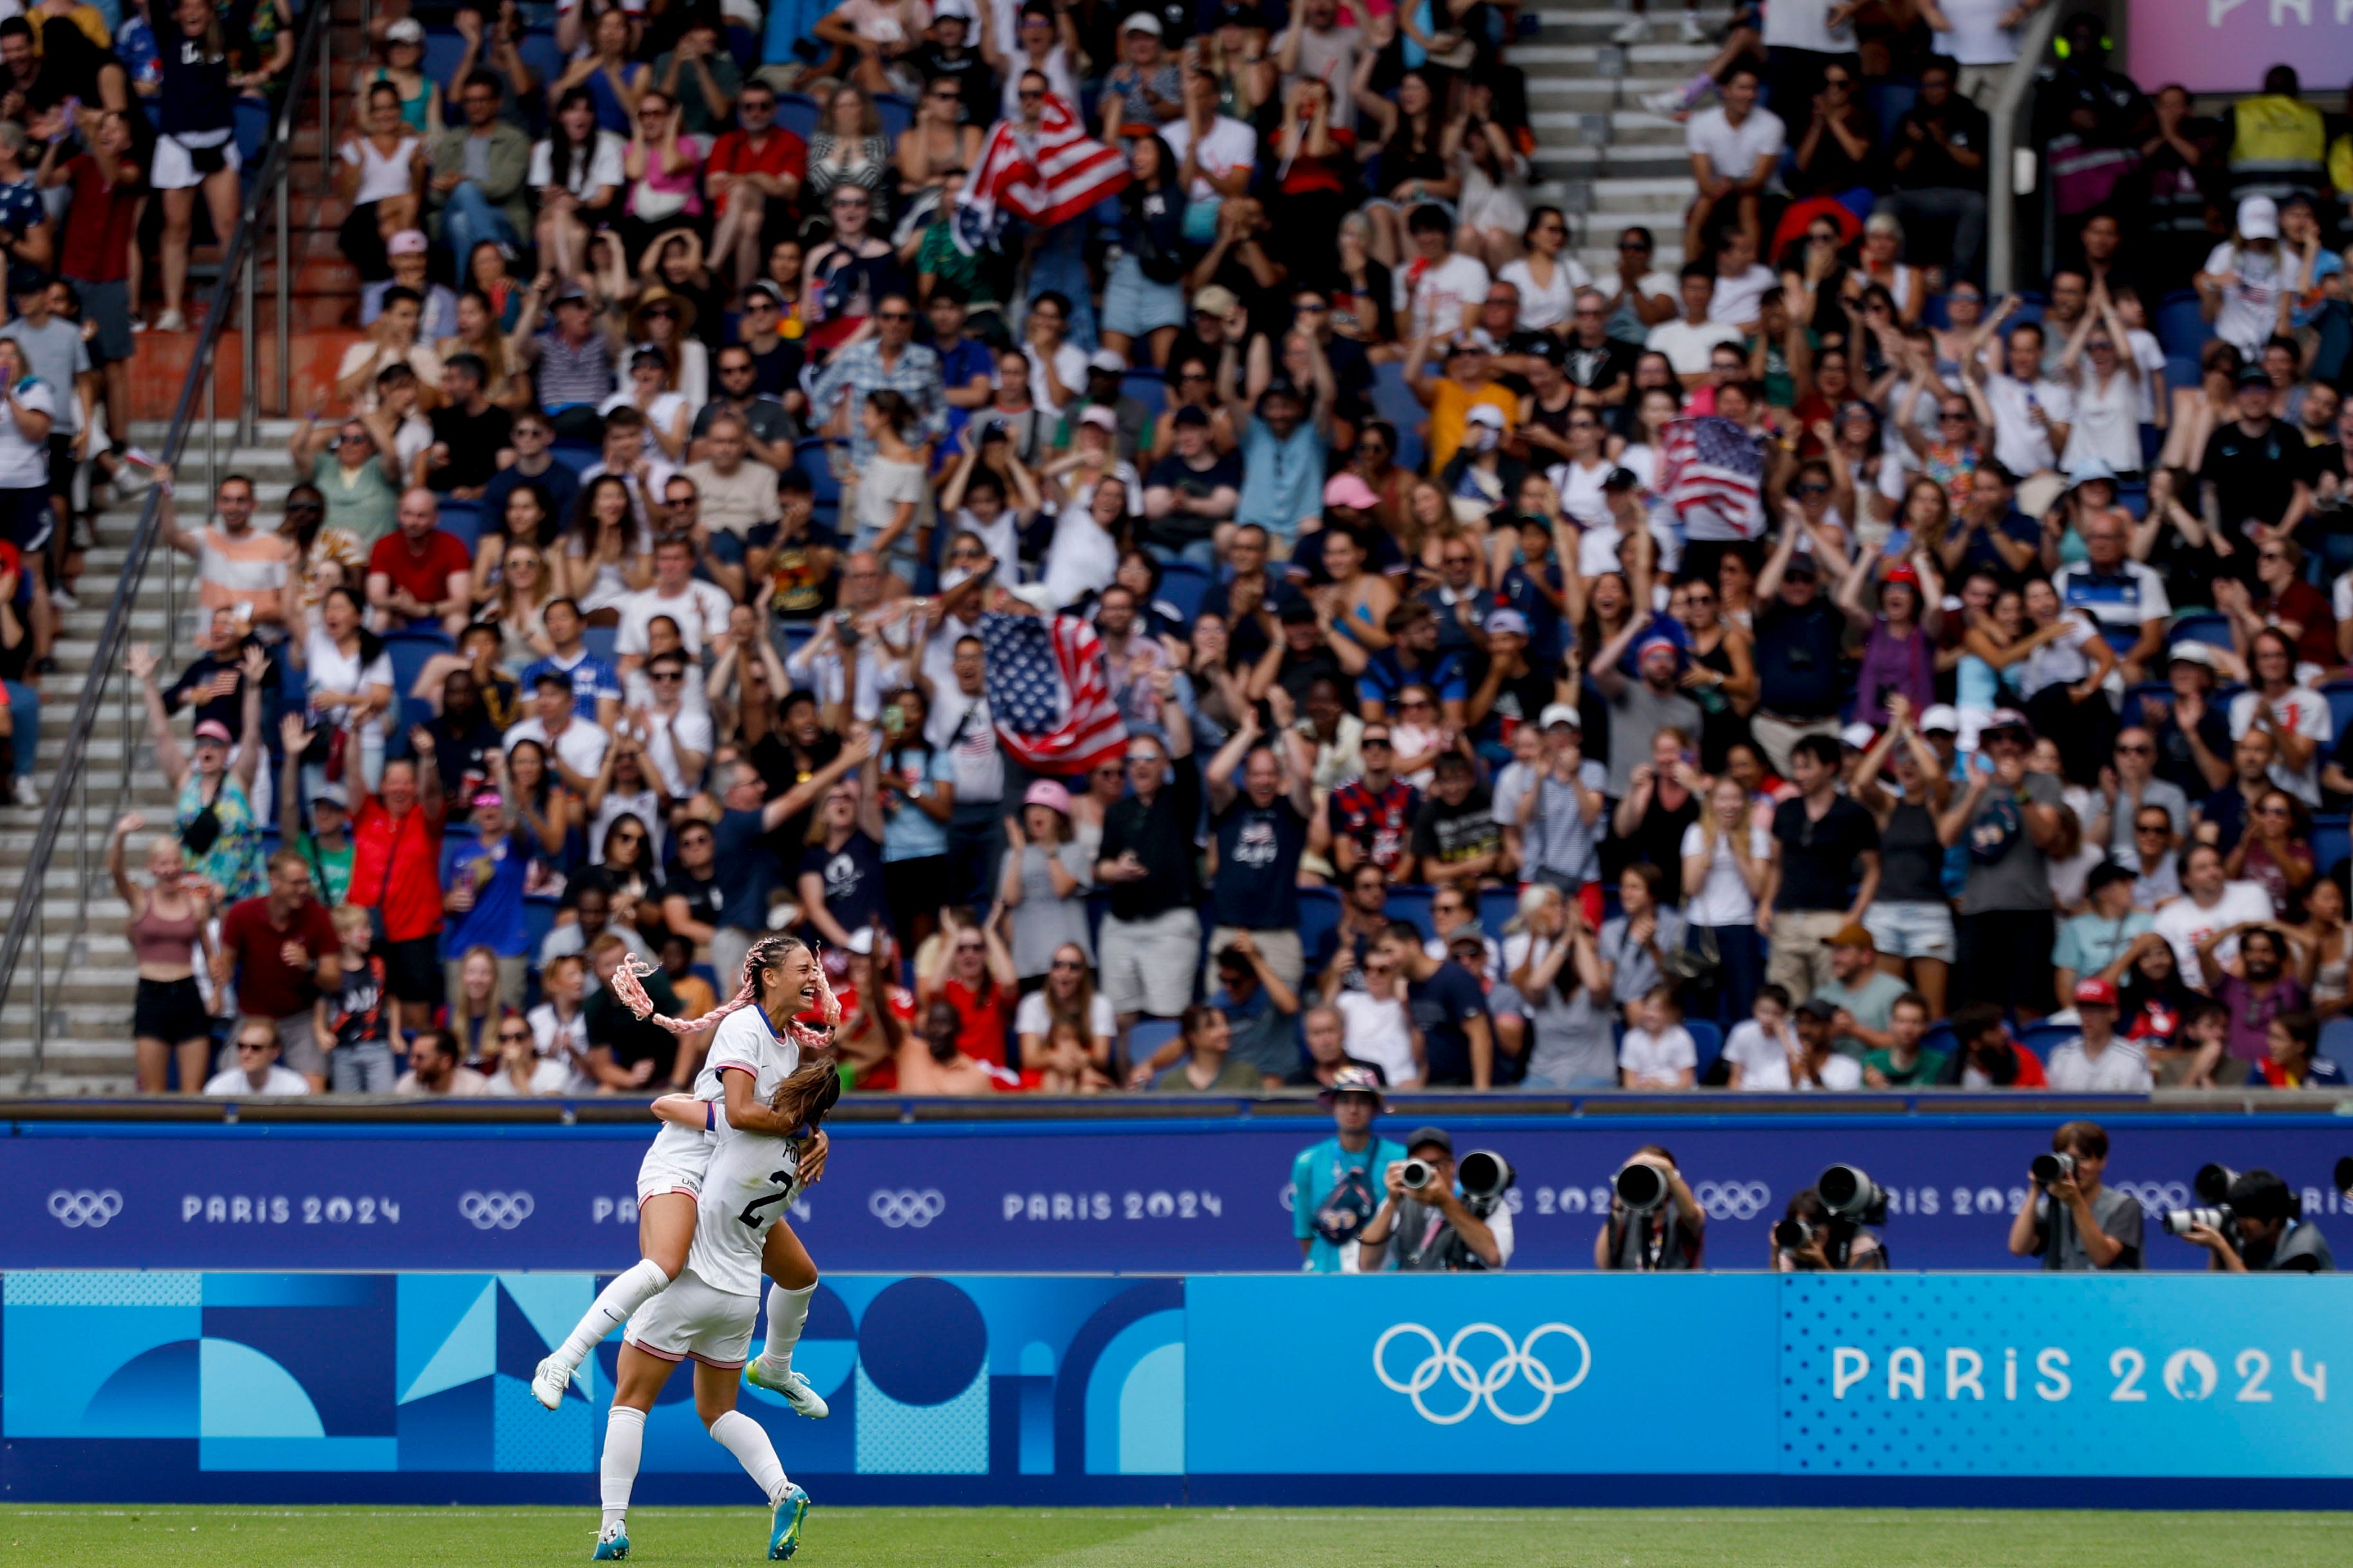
(1165, 565)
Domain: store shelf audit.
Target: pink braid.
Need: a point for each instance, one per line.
(629, 988)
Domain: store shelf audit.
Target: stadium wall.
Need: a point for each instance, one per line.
(1190, 1195)
(177, 1386)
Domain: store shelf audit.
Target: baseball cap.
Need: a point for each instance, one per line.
(1470, 932)
(2191, 652)
(24, 279)
(1109, 361)
(1142, 22)
(1801, 564)
(1100, 416)
(213, 730)
(1819, 1007)
(2008, 719)
(1853, 934)
(1050, 795)
(1348, 490)
(1653, 644)
(1511, 621)
(408, 30)
(2089, 469)
(959, 10)
(2253, 376)
(2093, 992)
(1942, 719)
(332, 794)
(769, 290)
(1353, 1080)
(575, 293)
(1560, 714)
(1486, 414)
(1622, 479)
(2258, 218)
(487, 797)
(1438, 1135)
(862, 942)
(408, 241)
(1903, 573)
(1216, 299)
(1191, 416)
(1859, 736)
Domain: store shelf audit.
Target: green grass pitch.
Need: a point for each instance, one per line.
(1181, 1538)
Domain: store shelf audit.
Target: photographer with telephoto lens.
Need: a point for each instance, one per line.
(1816, 1235)
(2073, 1223)
(1427, 1224)
(1655, 1225)
(2258, 1228)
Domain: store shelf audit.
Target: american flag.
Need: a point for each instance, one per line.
(1712, 474)
(1047, 690)
(1048, 179)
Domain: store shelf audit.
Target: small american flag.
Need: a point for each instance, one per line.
(1047, 690)
(1712, 474)
(1045, 180)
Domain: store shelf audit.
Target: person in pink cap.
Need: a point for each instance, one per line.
(2096, 1062)
(1044, 884)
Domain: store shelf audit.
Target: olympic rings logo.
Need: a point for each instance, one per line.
(2156, 1197)
(495, 1211)
(1733, 1200)
(905, 1209)
(1447, 1361)
(82, 1207)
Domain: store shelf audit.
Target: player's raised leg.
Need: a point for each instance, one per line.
(715, 1401)
(665, 1230)
(793, 1276)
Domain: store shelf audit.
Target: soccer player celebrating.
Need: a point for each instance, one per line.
(781, 978)
(765, 1152)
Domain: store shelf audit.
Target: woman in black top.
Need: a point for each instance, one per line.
(194, 146)
(1145, 294)
(1910, 920)
(1413, 166)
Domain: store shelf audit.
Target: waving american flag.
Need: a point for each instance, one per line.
(1711, 472)
(1047, 690)
(1047, 178)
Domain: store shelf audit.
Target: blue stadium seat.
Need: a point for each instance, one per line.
(600, 641)
(2331, 841)
(443, 48)
(1940, 1039)
(1708, 1040)
(1319, 916)
(408, 650)
(2336, 1040)
(798, 112)
(896, 112)
(1497, 907)
(1394, 401)
(2136, 695)
(2044, 1038)
(462, 519)
(1410, 901)
(2182, 372)
(810, 457)
(577, 456)
(538, 919)
(2340, 704)
(2212, 629)
(1147, 387)
(2181, 327)
(2123, 639)
(1183, 586)
(1148, 1036)
(539, 51)
(251, 129)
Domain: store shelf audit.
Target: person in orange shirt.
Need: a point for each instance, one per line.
(1467, 380)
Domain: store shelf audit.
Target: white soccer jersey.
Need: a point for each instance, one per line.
(751, 1176)
(680, 1155)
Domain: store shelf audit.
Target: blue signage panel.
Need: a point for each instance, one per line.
(1046, 1197)
(1534, 1375)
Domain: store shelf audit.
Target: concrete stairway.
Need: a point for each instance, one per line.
(89, 982)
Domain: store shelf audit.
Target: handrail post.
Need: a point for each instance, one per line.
(250, 405)
(2001, 191)
(286, 278)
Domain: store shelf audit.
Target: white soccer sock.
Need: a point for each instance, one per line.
(612, 1307)
(624, 1442)
(787, 1314)
(748, 1441)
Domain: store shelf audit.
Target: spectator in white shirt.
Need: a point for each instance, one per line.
(257, 1071)
(1659, 1052)
(574, 746)
(1735, 149)
(1688, 340)
(1819, 1067)
(2296, 717)
(2096, 1062)
(1440, 287)
(1762, 1048)
(1740, 282)
(2028, 413)
(699, 609)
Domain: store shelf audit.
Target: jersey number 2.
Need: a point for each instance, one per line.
(750, 1216)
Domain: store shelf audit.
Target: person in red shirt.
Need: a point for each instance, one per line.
(973, 974)
(282, 950)
(747, 170)
(869, 1037)
(94, 253)
(1988, 1058)
(420, 574)
(2283, 601)
(397, 870)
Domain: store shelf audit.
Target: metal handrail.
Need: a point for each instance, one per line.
(2012, 102)
(70, 790)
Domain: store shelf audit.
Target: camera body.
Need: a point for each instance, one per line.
(2049, 1168)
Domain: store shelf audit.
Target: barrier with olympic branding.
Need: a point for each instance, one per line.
(1217, 1389)
(1177, 1195)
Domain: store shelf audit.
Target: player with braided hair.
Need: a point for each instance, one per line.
(763, 1028)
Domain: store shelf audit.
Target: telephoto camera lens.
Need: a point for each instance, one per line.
(2345, 1174)
(2212, 1183)
(2178, 1222)
(1416, 1175)
(2049, 1168)
(1484, 1173)
(1642, 1187)
(1848, 1193)
(1791, 1234)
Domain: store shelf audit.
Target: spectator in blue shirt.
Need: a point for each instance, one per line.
(595, 685)
(1413, 659)
(482, 893)
(1336, 1185)
(1449, 1009)
(1283, 442)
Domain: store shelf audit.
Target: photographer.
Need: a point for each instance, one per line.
(1431, 1227)
(2270, 1237)
(1823, 1243)
(1667, 1238)
(2076, 1224)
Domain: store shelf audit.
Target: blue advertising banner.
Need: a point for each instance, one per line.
(221, 1387)
(1207, 1196)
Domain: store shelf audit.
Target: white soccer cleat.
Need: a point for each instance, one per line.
(791, 1387)
(1689, 30)
(548, 1383)
(1634, 30)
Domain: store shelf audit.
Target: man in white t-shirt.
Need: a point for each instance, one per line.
(1735, 150)
(257, 1071)
(2209, 902)
(1442, 289)
(2297, 717)
(1688, 340)
(574, 746)
(1214, 153)
(2096, 1062)
(1740, 282)
(2029, 414)
(699, 609)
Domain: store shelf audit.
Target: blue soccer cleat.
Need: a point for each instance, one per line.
(785, 1536)
(611, 1546)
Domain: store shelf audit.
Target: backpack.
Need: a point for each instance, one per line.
(1346, 1208)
